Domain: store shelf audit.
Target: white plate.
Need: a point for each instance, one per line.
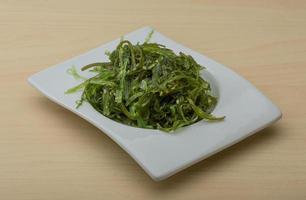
(162, 154)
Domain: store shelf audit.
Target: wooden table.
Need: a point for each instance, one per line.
(46, 152)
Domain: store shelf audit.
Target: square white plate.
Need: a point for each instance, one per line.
(162, 154)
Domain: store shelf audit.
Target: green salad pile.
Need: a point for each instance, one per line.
(148, 86)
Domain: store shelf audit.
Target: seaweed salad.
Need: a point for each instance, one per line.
(148, 86)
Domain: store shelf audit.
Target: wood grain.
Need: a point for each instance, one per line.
(47, 152)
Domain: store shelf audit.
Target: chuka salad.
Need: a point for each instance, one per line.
(148, 86)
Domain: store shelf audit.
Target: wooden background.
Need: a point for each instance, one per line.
(48, 153)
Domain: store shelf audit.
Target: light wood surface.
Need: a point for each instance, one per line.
(48, 153)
